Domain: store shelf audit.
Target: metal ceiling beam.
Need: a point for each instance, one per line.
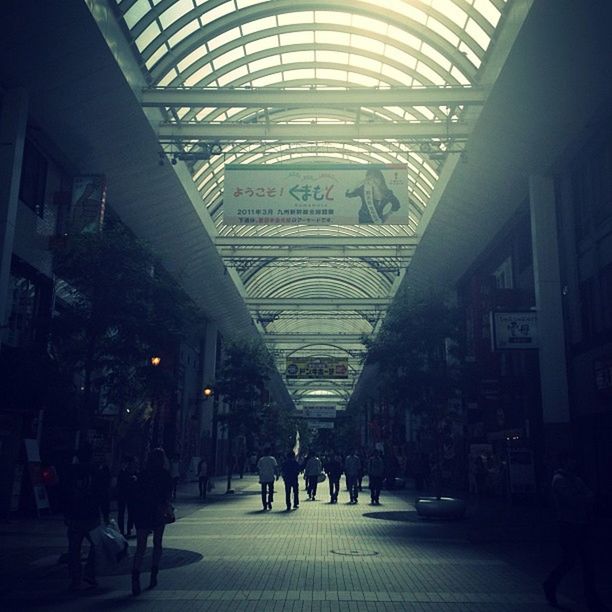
(315, 338)
(303, 98)
(318, 304)
(308, 132)
(316, 242)
(313, 252)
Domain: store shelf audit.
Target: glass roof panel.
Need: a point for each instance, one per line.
(365, 45)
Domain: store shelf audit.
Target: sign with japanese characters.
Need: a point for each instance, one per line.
(315, 194)
(514, 330)
(316, 367)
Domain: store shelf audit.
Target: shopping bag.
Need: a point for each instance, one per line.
(110, 547)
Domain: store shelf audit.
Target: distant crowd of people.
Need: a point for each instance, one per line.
(317, 470)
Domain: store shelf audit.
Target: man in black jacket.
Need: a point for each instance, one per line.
(290, 470)
(85, 496)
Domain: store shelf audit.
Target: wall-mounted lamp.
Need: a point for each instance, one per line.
(208, 391)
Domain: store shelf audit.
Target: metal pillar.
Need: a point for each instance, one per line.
(551, 328)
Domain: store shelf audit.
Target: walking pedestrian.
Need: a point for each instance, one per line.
(85, 497)
(268, 473)
(352, 470)
(312, 471)
(376, 472)
(126, 484)
(574, 505)
(175, 473)
(290, 470)
(152, 511)
(333, 469)
(203, 478)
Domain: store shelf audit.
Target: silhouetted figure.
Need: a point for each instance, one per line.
(574, 504)
(376, 472)
(290, 471)
(152, 508)
(268, 473)
(175, 473)
(333, 469)
(421, 471)
(85, 497)
(353, 469)
(312, 471)
(126, 485)
(203, 478)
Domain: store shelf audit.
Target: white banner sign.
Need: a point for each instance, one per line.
(515, 330)
(315, 194)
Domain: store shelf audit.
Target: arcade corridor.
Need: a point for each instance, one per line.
(227, 555)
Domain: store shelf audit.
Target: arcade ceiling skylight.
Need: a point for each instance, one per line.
(359, 81)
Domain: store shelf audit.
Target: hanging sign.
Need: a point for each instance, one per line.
(315, 194)
(321, 424)
(320, 411)
(316, 367)
(514, 330)
(87, 204)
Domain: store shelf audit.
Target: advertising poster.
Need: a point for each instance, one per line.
(87, 204)
(315, 194)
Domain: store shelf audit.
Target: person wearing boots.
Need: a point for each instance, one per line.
(152, 511)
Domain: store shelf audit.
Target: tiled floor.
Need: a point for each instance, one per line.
(228, 555)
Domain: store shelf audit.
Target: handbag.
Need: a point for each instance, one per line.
(321, 477)
(167, 513)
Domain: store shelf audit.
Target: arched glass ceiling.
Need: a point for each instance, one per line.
(297, 45)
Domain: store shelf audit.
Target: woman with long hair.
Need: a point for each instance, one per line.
(152, 511)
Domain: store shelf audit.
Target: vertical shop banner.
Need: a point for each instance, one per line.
(87, 204)
(36, 477)
(315, 194)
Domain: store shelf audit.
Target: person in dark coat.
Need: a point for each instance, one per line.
(376, 472)
(290, 470)
(152, 509)
(334, 468)
(126, 485)
(85, 498)
(574, 505)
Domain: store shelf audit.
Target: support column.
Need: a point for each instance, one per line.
(13, 122)
(551, 328)
(209, 367)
